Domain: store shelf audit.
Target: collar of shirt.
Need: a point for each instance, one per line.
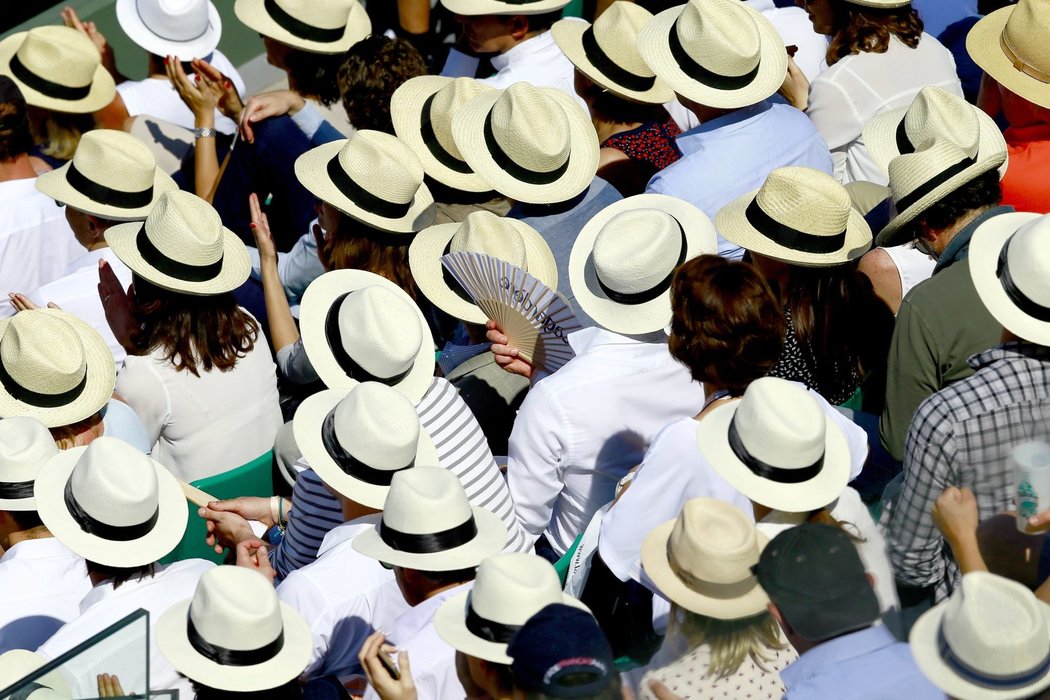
(43, 548)
(1022, 135)
(409, 624)
(594, 338)
(523, 52)
(348, 531)
(737, 119)
(958, 248)
(105, 589)
(1014, 350)
(822, 658)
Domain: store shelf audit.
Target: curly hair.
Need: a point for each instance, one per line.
(374, 68)
(979, 193)
(858, 29)
(357, 246)
(15, 136)
(314, 75)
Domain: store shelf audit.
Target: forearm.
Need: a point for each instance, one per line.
(967, 554)
(414, 15)
(205, 159)
(283, 331)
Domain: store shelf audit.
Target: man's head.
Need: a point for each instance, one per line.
(15, 136)
(934, 228)
(496, 34)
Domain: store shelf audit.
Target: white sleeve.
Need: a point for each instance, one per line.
(297, 591)
(535, 452)
(834, 114)
(142, 389)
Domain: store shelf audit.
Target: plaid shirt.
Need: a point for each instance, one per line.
(962, 436)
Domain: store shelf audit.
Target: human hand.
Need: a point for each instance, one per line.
(795, 88)
(386, 685)
(202, 94)
(261, 231)
(230, 103)
(955, 515)
(225, 530)
(506, 355)
(117, 304)
(252, 554)
(248, 507)
(266, 105)
(90, 30)
(21, 302)
(109, 686)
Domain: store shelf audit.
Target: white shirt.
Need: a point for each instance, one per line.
(582, 428)
(796, 30)
(537, 61)
(41, 584)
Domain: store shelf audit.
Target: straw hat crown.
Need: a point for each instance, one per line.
(60, 54)
(616, 33)
(380, 331)
(425, 500)
(484, 232)
(805, 199)
(235, 608)
(383, 164)
(328, 14)
(43, 353)
(713, 542)
(116, 160)
(720, 35)
(379, 425)
(510, 588)
(911, 171)
(937, 114)
(780, 425)
(115, 483)
(1027, 257)
(531, 130)
(636, 249)
(25, 444)
(184, 227)
(447, 102)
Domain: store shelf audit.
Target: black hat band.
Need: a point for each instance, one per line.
(769, 471)
(450, 280)
(297, 27)
(113, 533)
(489, 630)
(107, 195)
(362, 197)
(933, 183)
(156, 259)
(346, 363)
(15, 490)
(646, 295)
(1020, 299)
(44, 86)
(430, 140)
(35, 398)
(702, 75)
(615, 72)
(506, 163)
(429, 543)
(232, 657)
(352, 466)
(789, 237)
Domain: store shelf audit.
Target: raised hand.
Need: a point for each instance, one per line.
(117, 305)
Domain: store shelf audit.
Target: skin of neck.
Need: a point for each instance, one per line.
(11, 532)
(352, 510)
(703, 112)
(17, 168)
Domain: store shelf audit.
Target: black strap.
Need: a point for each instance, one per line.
(791, 237)
(232, 657)
(25, 692)
(45, 86)
(14, 490)
(702, 75)
(933, 183)
(153, 30)
(173, 268)
(450, 280)
(35, 398)
(113, 533)
(346, 363)
(489, 630)
(532, 177)
(429, 543)
(299, 28)
(1020, 299)
(612, 70)
(351, 465)
(1006, 681)
(769, 471)
(430, 140)
(362, 197)
(635, 298)
(107, 195)
(904, 144)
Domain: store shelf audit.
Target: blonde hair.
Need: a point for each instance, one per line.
(78, 434)
(731, 642)
(58, 133)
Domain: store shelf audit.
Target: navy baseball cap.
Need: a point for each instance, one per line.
(562, 653)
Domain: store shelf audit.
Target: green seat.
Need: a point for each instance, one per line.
(573, 9)
(562, 565)
(252, 479)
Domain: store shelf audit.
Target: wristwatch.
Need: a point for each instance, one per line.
(204, 132)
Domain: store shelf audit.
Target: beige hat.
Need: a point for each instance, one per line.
(481, 232)
(372, 177)
(800, 216)
(57, 68)
(718, 53)
(624, 259)
(1010, 46)
(53, 367)
(17, 664)
(531, 144)
(607, 52)
(503, 7)
(112, 175)
(25, 445)
(187, 29)
(357, 440)
(702, 560)
(316, 26)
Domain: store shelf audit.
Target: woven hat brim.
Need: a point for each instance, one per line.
(468, 130)
(101, 378)
(982, 43)
(309, 418)
(55, 185)
(174, 644)
(131, 22)
(161, 540)
(655, 49)
(568, 35)
(313, 313)
(16, 664)
(652, 315)
(495, 7)
(102, 92)
(424, 257)
(254, 15)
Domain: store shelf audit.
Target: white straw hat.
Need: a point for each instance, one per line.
(800, 216)
(481, 232)
(25, 445)
(777, 447)
(508, 590)
(718, 53)
(359, 327)
(53, 367)
(624, 259)
(186, 29)
(702, 560)
(57, 68)
(1010, 46)
(531, 144)
(234, 634)
(111, 504)
(19, 663)
(991, 639)
(357, 440)
(112, 175)
(372, 177)
(429, 525)
(183, 247)
(503, 7)
(316, 26)
(607, 52)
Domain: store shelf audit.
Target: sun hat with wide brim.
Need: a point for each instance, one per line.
(111, 504)
(799, 216)
(471, 8)
(316, 26)
(53, 367)
(57, 68)
(186, 29)
(16, 664)
(623, 262)
(718, 53)
(1010, 46)
(25, 446)
(607, 52)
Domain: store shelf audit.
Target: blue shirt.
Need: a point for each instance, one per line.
(731, 155)
(936, 15)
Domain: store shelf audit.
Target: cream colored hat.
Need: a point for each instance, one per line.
(112, 175)
(25, 445)
(53, 367)
(800, 216)
(357, 440)
(316, 26)
(777, 447)
(531, 144)
(991, 639)
(187, 29)
(57, 68)
(702, 560)
(234, 634)
(718, 53)
(481, 232)
(111, 504)
(607, 52)
(372, 177)
(624, 259)
(16, 664)
(1010, 46)
(503, 7)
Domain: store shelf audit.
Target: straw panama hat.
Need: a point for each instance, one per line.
(777, 447)
(533, 145)
(112, 175)
(53, 367)
(16, 664)
(429, 525)
(508, 590)
(357, 326)
(991, 639)
(799, 216)
(607, 52)
(622, 279)
(702, 560)
(481, 232)
(111, 504)
(503, 7)
(234, 634)
(57, 68)
(25, 445)
(372, 177)
(357, 440)
(718, 53)
(186, 29)
(315, 26)
(1010, 45)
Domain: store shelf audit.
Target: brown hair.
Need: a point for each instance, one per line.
(374, 68)
(15, 136)
(358, 246)
(68, 436)
(858, 29)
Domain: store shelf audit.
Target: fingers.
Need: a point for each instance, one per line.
(202, 67)
(21, 302)
(406, 670)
